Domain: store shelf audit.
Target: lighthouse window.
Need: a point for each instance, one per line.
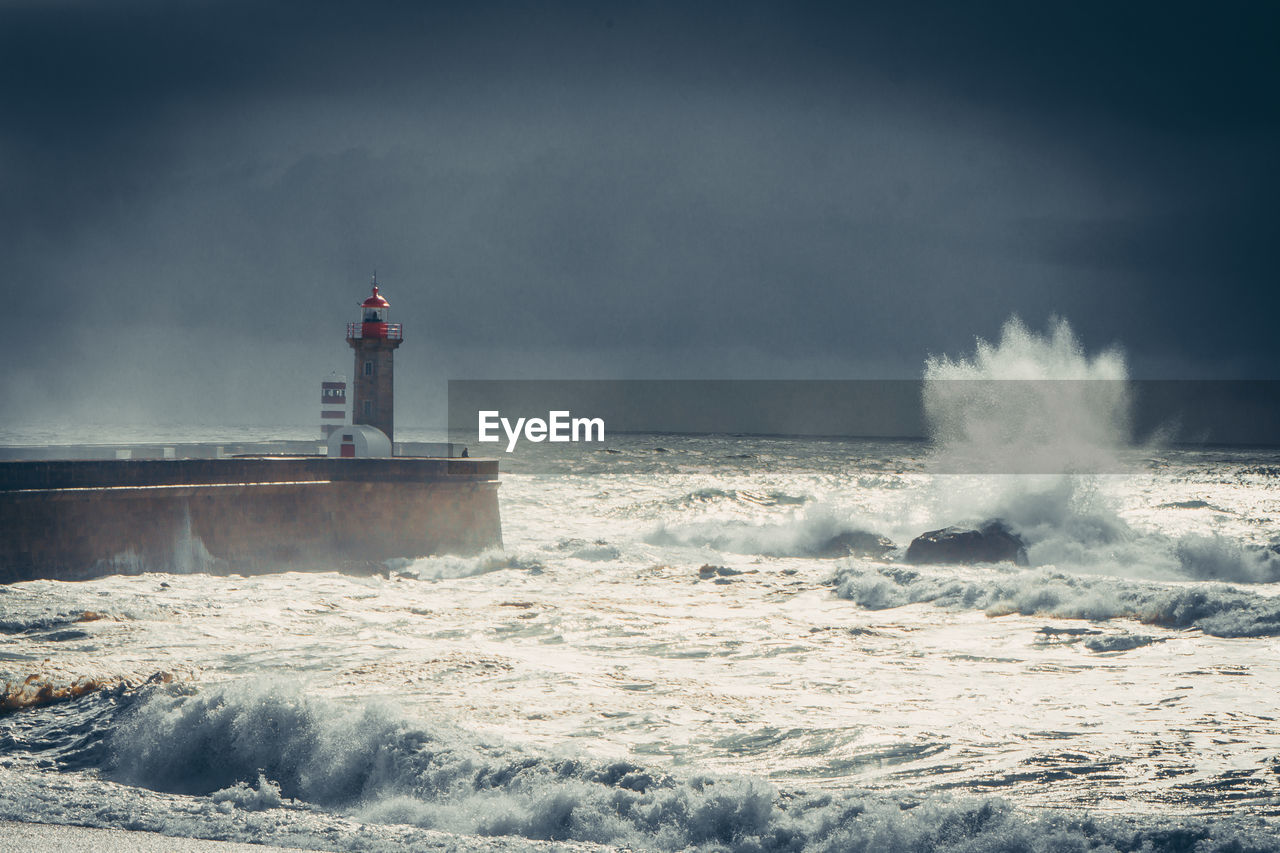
(368, 368)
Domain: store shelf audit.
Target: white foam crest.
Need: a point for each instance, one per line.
(813, 532)
(1216, 557)
(265, 795)
(446, 566)
(1219, 610)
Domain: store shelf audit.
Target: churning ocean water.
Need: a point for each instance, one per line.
(695, 642)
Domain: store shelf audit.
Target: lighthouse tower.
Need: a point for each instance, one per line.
(374, 341)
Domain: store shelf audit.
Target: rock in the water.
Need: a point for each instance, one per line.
(720, 572)
(993, 542)
(853, 543)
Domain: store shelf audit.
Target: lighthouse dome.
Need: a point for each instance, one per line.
(376, 300)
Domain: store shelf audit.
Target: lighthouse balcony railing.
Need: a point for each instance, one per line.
(389, 331)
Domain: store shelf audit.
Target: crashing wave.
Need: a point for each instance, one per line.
(711, 496)
(1219, 558)
(447, 566)
(819, 533)
(1218, 610)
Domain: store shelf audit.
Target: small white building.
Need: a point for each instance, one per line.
(358, 441)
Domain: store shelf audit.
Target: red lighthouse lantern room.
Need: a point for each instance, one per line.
(374, 309)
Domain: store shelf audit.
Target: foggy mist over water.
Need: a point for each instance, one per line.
(196, 194)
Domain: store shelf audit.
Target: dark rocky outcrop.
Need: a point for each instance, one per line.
(709, 571)
(853, 543)
(992, 542)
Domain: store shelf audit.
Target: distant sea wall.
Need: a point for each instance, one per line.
(80, 519)
(207, 450)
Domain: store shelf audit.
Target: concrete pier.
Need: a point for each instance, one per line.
(79, 519)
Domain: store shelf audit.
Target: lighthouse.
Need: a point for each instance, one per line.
(374, 341)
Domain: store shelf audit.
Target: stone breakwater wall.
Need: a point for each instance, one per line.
(80, 519)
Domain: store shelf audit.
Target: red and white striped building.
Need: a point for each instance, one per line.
(333, 404)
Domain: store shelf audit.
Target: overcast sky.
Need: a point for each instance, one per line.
(193, 195)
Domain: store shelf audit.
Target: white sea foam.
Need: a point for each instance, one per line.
(264, 795)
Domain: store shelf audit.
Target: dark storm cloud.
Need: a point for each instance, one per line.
(685, 189)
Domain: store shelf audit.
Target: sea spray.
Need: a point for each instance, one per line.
(1029, 404)
(1026, 430)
